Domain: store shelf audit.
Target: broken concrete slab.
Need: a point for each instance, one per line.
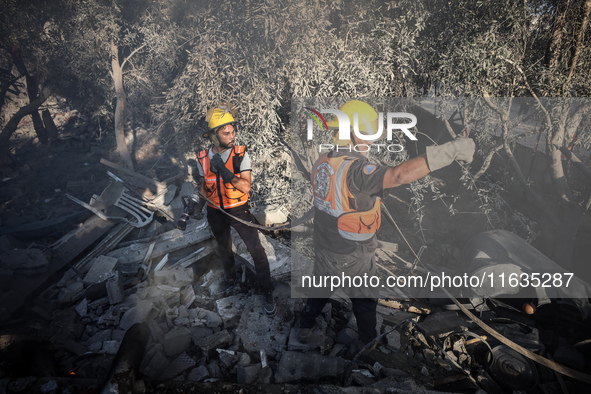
(214, 369)
(164, 277)
(259, 332)
(82, 308)
(247, 374)
(198, 374)
(100, 270)
(270, 214)
(110, 347)
(393, 340)
(219, 339)
(177, 341)
(137, 314)
(295, 366)
(230, 309)
(317, 340)
(204, 317)
(115, 288)
(200, 332)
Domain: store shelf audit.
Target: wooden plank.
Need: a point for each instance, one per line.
(92, 229)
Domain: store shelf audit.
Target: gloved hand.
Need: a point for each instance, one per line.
(460, 149)
(198, 209)
(218, 164)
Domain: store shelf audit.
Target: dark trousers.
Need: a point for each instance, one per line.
(220, 224)
(363, 308)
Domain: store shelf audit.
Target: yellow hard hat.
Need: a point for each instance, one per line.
(217, 117)
(367, 116)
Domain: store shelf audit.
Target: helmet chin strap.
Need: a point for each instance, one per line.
(216, 142)
(214, 138)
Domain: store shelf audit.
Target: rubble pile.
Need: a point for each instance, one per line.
(142, 308)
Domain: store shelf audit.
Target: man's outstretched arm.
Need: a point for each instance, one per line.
(436, 157)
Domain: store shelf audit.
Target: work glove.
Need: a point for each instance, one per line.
(198, 208)
(460, 149)
(218, 164)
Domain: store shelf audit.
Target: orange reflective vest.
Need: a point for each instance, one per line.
(216, 187)
(332, 196)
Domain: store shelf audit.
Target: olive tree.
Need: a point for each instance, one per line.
(508, 49)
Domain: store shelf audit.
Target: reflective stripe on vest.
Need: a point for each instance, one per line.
(231, 196)
(332, 196)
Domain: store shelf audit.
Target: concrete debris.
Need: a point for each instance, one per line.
(110, 347)
(204, 317)
(100, 270)
(198, 374)
(177, 341)
(248, 374)
(270, 214)
(115, 288)
(230, 309)
(393, 339)
(180, 364)
(259, 332)
(219, 339)
(191, 333)
(137, 314)
(295, 366)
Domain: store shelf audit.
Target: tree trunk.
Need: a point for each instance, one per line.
(579, 44)
(117, 75)
(553, 51)
(16, 118)
(32, 91)
(555, 140)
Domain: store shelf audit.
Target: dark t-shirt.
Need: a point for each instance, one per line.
(366, 182)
